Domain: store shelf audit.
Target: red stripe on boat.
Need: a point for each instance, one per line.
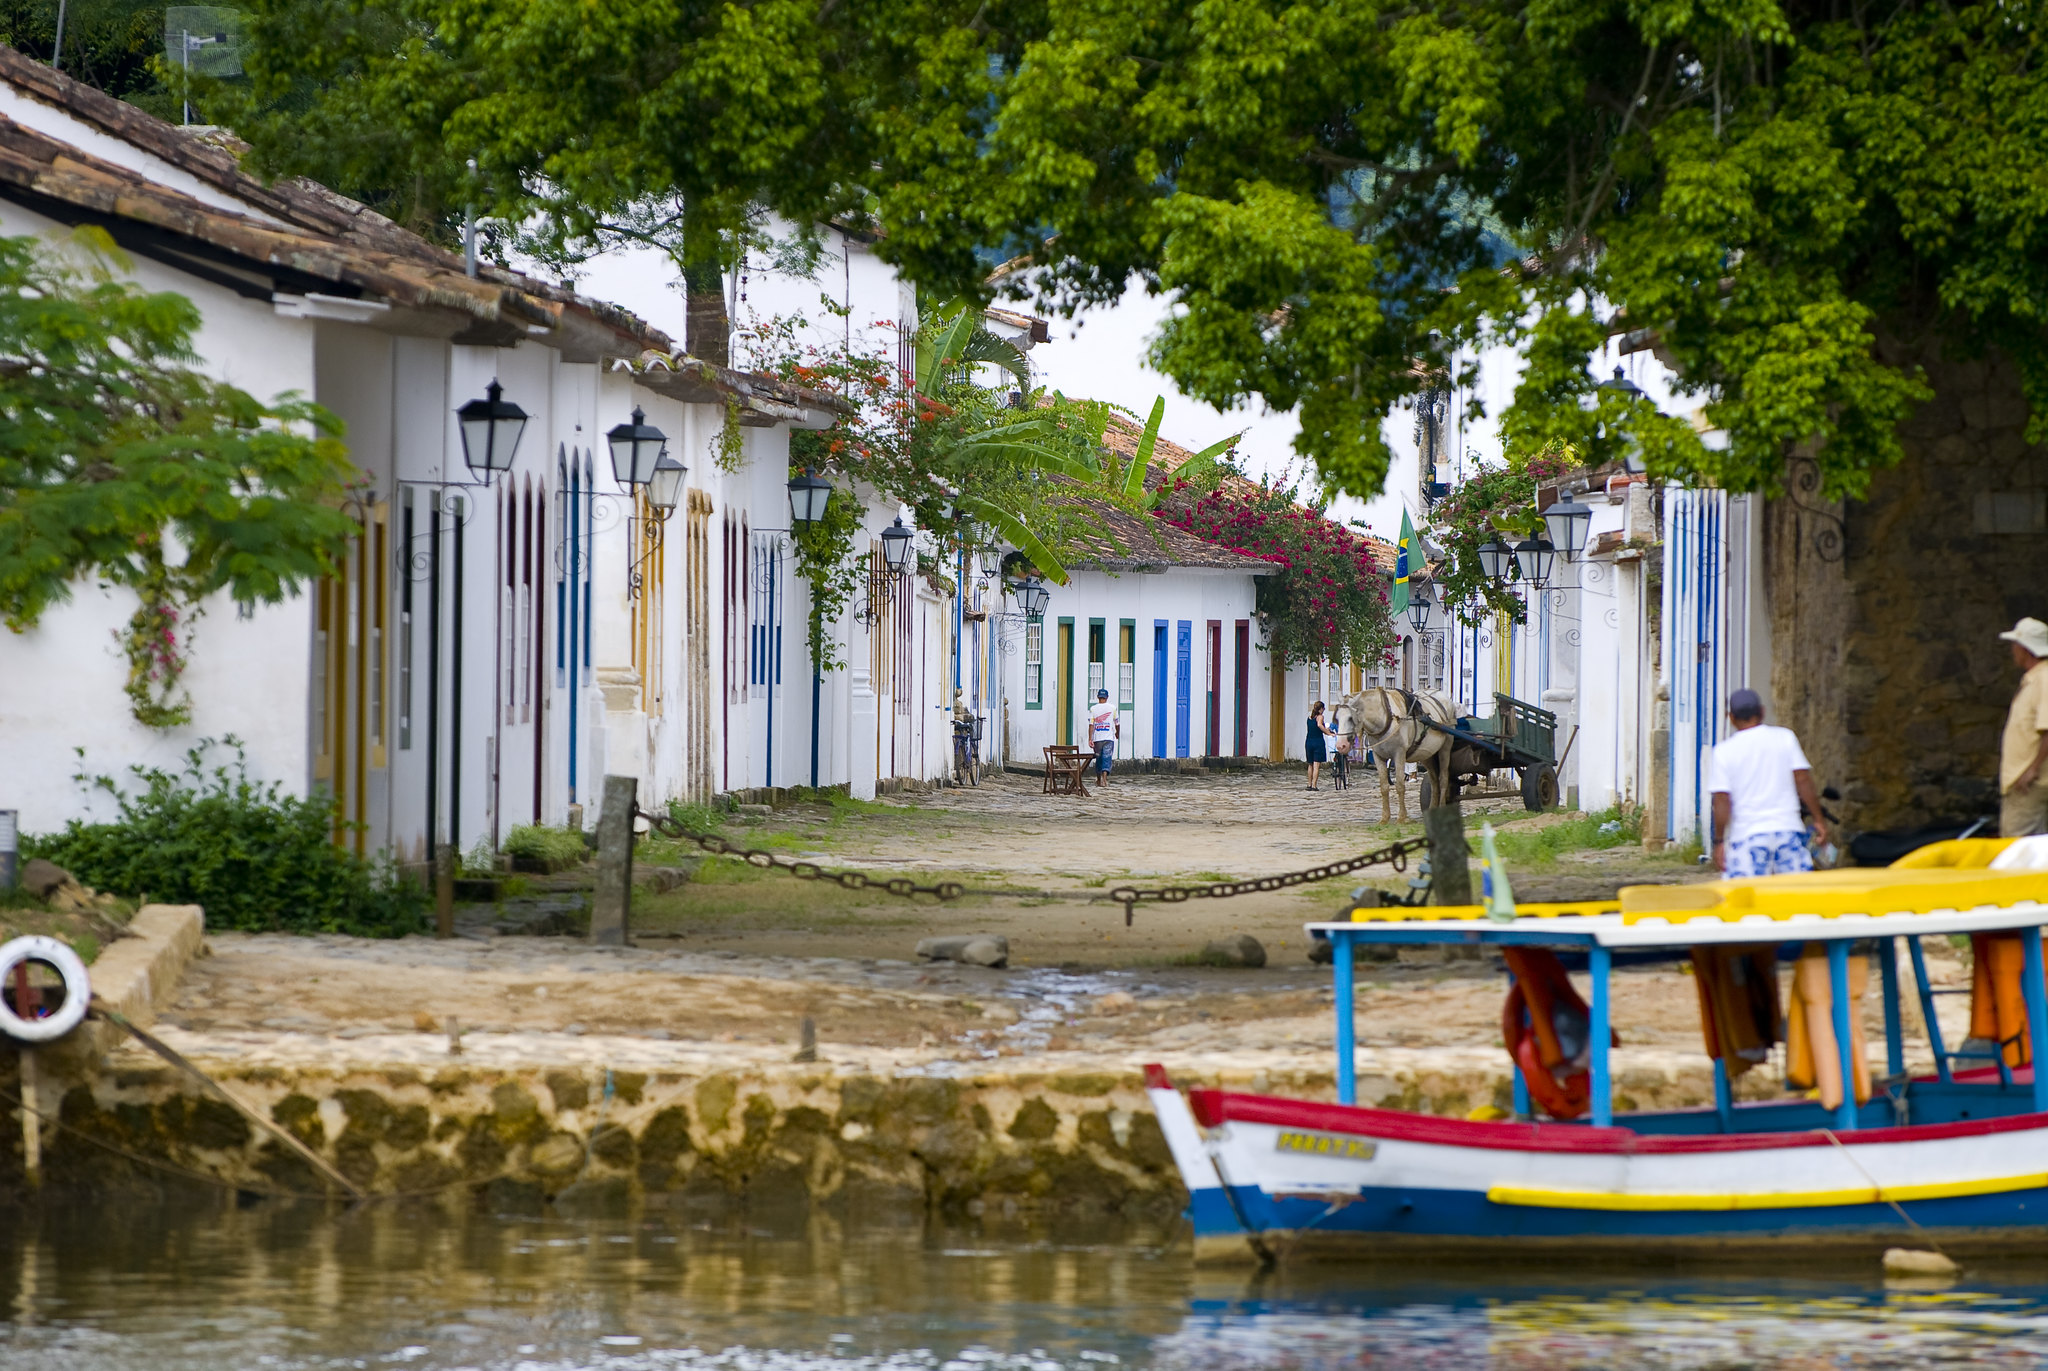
(1213, 1107)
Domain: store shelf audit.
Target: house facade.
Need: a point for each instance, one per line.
(490, 648)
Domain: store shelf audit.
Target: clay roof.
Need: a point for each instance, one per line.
(303, 240)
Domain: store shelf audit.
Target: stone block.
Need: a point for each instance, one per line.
(1238, 950)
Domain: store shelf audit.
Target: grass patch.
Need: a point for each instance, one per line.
(1540, 847)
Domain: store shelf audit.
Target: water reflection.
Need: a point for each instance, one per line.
(170, 1286)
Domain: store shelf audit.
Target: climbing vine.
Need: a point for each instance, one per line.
(730, 445)
(155, 642)
(1497, 499)
(825, 558)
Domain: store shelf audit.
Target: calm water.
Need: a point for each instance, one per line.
(170, 1287)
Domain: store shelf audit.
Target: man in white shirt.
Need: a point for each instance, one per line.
(1759, 777)
(1103, 729)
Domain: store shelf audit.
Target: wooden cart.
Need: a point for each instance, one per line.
(1517, 737)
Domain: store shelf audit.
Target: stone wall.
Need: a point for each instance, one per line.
(588, 1139)
(1886, 658)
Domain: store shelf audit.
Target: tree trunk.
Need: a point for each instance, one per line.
(709, 329)
(1885, 611)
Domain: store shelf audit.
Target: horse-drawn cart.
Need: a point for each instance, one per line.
(1518, 737)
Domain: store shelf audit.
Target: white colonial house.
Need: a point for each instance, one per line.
(496, 642)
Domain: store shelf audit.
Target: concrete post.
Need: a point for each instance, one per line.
(611, 903)
(1450, 872)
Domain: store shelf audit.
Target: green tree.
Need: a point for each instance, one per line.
(1791, 201)
(121, 462)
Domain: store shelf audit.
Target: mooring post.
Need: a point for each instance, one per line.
(612, 902)
(444, 893)
(31, 1123)
(1450, 872)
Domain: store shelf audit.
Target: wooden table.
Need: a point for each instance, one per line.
(1066, 769)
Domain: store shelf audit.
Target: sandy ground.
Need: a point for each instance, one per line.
(1060, 856)
(730, 959)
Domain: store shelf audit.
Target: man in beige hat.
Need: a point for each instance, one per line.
(2023, 807)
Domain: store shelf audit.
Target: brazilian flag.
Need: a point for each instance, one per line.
(1407, 562)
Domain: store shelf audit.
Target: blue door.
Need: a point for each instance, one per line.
(1159, 687)
(1183, 654)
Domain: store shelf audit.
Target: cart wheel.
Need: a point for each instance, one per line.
(1539, 787)
(1428, 792)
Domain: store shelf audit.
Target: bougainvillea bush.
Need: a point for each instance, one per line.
(1326, 600)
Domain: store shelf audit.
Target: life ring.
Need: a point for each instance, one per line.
(70, 1014)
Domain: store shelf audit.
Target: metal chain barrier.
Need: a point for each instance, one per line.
(1394, 855)
(803, 871)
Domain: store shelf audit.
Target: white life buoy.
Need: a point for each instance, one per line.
(77, 989)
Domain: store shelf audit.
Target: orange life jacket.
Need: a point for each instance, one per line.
(1542, 994)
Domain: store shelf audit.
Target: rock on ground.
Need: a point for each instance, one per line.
(1240, 949)
(973, 949)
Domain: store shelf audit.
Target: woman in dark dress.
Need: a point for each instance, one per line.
(1313, 745)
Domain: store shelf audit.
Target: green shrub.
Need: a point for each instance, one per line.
(551, 849)
(258, 859)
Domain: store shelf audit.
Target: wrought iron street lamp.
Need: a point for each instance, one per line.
(636, 448)
(1420, 608)
(1034, 597)
(1496, 558)
(491, 428)
(1533, 558)
(989, 557)
(665, 487)
(1627, 390)
(896, 547)
(809, 494)
(1567, 521)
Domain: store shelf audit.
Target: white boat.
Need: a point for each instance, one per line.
(1958, 1157)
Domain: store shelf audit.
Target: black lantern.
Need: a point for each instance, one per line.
(896, 546)
(1621, 386)
(1567, 521)
(636, 448)
(666, 486)
(490, 432)
(1420, 607)
(1496, 558)
(1533, 557)
(1034, 597)
(809, 494)
(989, 557)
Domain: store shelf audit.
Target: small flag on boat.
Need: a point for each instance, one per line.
(1405, 558)
(1499, 897)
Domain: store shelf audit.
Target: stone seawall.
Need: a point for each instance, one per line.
(1019, 1136)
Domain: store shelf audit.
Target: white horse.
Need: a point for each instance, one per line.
(1397, 736)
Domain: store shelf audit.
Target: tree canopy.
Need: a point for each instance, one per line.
(118, 460)
(1790, 202)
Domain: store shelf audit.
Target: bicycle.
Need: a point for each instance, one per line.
(966, 758)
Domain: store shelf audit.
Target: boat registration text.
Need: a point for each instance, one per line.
(1325, 1145)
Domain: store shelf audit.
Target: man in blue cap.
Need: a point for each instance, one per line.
(1103, 731)
(1759, 777)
